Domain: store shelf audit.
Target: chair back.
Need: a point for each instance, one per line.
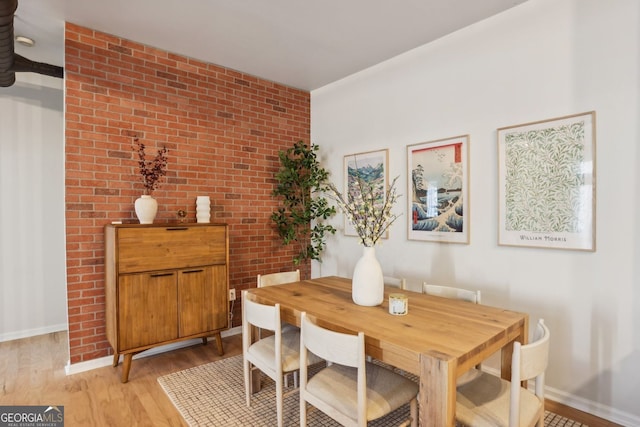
(260, 315)
(534, 357)
(451, 292)
(527, 362)
(335, 347)
(398, 282)
(278, 278)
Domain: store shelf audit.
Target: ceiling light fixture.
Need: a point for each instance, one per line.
(25, 41)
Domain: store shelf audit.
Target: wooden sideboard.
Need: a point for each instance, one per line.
(164, 284)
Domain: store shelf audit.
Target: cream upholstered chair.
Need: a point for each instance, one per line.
(274, 355)
(492, 401)
(349, 390)
(451, 292)
(278, 278)
(461, 294)
(397, 282)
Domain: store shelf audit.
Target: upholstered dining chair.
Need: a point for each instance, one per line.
(274, 355)
(491, 401)
(278, 278)
(349, 390)
(397, 282)
(452, 292)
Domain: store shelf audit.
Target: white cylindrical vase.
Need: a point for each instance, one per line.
(146, 209)
(367, 285)
(203, 209)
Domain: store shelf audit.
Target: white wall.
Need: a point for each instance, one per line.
(539, 60)
(33, 290)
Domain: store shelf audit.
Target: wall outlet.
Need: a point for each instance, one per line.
(232, 294)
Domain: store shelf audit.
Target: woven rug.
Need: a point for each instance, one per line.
(213, 395)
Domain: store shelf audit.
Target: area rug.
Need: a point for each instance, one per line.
(213, 395)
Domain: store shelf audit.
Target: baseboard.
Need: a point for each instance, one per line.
(108, 360)
(594, 408)
(17, 335)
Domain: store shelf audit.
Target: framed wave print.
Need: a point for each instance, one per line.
(438, 190)
(546, 179)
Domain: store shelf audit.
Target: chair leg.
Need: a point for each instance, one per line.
(279, 400)
(303, 412)
(247, 381)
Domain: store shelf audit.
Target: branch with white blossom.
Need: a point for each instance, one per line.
(367, 208)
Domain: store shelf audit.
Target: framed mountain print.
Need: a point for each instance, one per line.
(546, 183)
(371, 167)
(438, 190)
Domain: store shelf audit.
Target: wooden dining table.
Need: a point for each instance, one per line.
(438, 339)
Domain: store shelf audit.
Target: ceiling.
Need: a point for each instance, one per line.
(303, 44)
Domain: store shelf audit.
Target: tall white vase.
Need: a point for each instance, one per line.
(367, 285)
(203, 209)
(146, 209)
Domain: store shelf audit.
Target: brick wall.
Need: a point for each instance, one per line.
(223, 130)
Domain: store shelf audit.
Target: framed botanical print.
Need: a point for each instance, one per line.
(371, 167)
(438, 190)
(546, 183)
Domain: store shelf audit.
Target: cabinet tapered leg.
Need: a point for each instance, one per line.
(219, 342)
(126, 366)
(116, 359)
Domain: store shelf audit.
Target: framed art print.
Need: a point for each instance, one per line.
(371, 167)
(438, 190)
(546, 179)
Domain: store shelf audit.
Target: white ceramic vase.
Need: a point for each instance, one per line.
(146, 209)
(203, 209)
(367, 285)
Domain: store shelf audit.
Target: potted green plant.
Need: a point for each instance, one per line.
(301, 181)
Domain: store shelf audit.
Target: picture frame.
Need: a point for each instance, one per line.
(547, 183)
(438, 190)
(371, 165)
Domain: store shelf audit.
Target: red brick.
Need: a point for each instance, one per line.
(223, 136)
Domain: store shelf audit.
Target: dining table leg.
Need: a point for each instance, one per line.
(256, 375)
(437, 398)
(507, 351)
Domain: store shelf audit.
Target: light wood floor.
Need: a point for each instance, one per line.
(32, 373)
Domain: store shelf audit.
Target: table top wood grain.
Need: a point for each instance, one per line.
(453, 333)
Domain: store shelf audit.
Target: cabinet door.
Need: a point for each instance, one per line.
(148, 310)
(202, 299)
